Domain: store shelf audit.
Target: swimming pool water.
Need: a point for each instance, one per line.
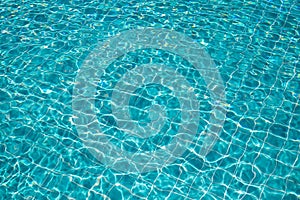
(255, 49)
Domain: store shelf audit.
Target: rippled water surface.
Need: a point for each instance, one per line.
(45, 152)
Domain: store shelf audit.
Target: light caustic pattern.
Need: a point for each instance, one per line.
(90, 128)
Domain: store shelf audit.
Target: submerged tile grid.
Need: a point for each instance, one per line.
(256, 49)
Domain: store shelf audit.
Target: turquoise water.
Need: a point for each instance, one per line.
(255, 49)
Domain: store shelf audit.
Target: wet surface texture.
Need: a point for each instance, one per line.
(255, 47)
